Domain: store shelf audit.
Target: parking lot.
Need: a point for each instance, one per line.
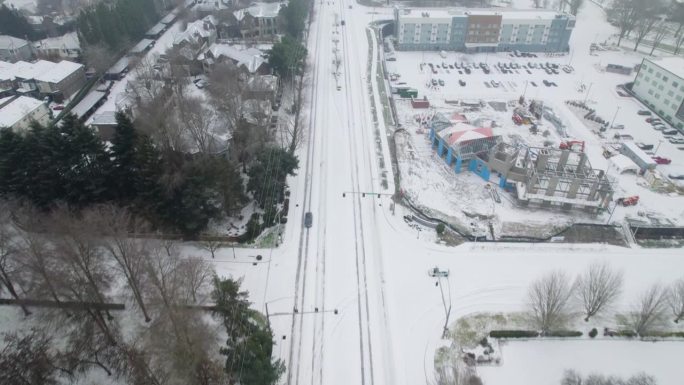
(450, 79)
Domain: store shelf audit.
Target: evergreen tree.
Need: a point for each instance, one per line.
(286, 57)
(15, 24)
(268, 172)
(123, 153)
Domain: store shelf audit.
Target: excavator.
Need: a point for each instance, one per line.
(574, 145)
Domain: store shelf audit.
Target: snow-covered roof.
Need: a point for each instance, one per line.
(168, 19)
(66, 41)
(197, 29)
(11, 42)
(250, 58)
(157, 29)
(506, 14)
(463, 132)
(17, 109)
(88, 102)
(260, 10)
(58, 72)
(141, 46)
(26, 70)
(623, 164)
(673, 64)
(105, 118)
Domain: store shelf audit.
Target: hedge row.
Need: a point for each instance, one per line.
(533, 333)
(563, 333)
(664, 334)
(513, 333)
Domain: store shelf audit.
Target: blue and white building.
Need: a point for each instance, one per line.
(482, 30)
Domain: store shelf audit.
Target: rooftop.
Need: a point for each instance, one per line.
(506, 13)
(66, 41)
(267, 10)
(59, 72)
(157, 29)
(196, 30)
(11, 42)
(17, 109)
(250, 58)
(673, 64)
(141, 46)
(26, 70)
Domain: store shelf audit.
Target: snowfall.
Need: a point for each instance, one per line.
(350, 300)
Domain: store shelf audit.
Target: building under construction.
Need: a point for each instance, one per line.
(551, 177)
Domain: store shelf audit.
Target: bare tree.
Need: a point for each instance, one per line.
(661, 31)
(198, 276)
(116, 225)
(198, 121)
(571, 377)
(644, 26)
(679, 41)
(28, 359)
(226, 91)
(648, 311)
(597, 288)
(8, 252)
(98, 57)
(575, 5)
(211, 245)
(626, 15)
(548, 300)
(676, 299)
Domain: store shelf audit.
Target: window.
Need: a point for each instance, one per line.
(647, 78)
(658, 75)
(657, 96)
(660, 87)
(650, 91)
(665, 78)
(636, 82)
(650, 70)
(670, 93)
(675, 85)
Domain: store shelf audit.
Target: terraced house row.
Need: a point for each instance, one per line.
(482, 30)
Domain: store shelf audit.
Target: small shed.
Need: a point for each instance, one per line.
(623, 164)
(420, 103)
(156, 31)
(118, 70)
(638, 156)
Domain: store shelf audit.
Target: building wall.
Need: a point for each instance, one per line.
(16, 54)
(40, 115)
(479, 33)
(662, 91)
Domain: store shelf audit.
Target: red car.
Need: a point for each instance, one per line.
(661, 160)
(58, 107)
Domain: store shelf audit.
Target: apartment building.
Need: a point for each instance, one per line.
(482, 30)
(660, 84)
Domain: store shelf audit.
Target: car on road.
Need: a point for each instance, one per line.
(676, 175)
(441, 82)
(644, 112)
(308, 219)
(533, 84)
(436, 272)
(661, 160)
(462, 82)
(434, 82)
(467, 70)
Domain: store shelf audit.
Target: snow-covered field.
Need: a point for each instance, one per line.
(543, 362)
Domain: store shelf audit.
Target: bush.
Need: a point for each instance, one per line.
(440, 228)
(625, 333)
(593, 333)
(563, 333)
(664, 334)
(513, 334)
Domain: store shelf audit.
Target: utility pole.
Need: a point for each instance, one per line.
(587, 95)
(614, 116)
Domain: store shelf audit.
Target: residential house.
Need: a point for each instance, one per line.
(260, 20)
(62, 80)
(14, 49)
(25, 73)
(261, 87)
(248, 60)
(197, 36)
(66, 46)
(20, 113)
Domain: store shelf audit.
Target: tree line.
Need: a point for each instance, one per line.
(174, 190)
(116, 24)
(595, 290)
(87, 258)
(658, 20)
(13, 23)
(286, 57)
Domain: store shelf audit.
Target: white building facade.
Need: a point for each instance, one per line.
(660, 85)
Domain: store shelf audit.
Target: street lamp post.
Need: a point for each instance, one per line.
(614, 116)
(656, 150)
(587, 95)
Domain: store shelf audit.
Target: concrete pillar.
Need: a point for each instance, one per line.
(542, 160)
(532, 184)
(449, 155)
(440, 148)
(574, 186)
(459, 161)
(565, 154)
(592, 191)
(551, 188)
(582, 161)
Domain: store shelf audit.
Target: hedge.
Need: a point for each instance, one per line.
(664, 334)
(563, 333)
(513, 334)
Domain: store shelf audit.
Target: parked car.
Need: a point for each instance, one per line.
(434, 82)
(619, 126)
(676, 175)
(671, 131)
(661, 160)
(533, 84)
(462, 82)
(644, 146)
(653, 120)
(644, 112)
(436, 272)
(441, 82)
